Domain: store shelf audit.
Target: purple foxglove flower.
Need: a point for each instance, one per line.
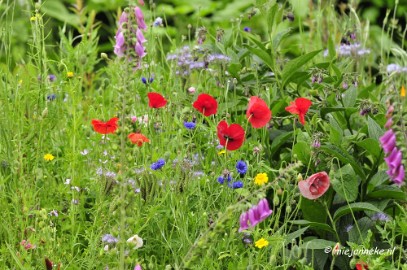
(389, 123)
(399, 179)
(140, 36)
(244, 218)
(123, 18)
(140, 18)
(140, 50)
(388, 141)
(394, 159)
(120, 47)
(264, 209)
(254, 216)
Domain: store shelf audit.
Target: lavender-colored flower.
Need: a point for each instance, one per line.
(316, 143)
(380, 217)
(110, 239)
(53, 213)
(75, 201)
(393, 68)
(345, 85)
(247, 239)
(158, 22)
(84, 152)
(198, 174)
(189, 125)
(348, 227)
(241, 167)
(140, 37)
(140, 50)
(158, 165)
(255, 215)
(388, 141)
(51, 77)
(110, 175)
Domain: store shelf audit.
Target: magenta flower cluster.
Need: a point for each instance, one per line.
(255, 215)
(394, 156)
(129, 36)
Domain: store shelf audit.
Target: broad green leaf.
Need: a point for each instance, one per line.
(354, 207)
(345, 183)
(357, 236)
(300, 7)
(279, 141)
(303, 151)
(375, 131)
(314, 225)
(271, 17)
(318, 244)
(371, 146)
(295, 235)
(379, 178)
(234, 69)
(280, 37)
(343, 156)
(387, 192)
(58, 11)
(325, 111)
(349, 98)
(263, 55)
(313, 211)
(294, 65)
(335, 136)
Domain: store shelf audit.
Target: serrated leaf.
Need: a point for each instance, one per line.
(343, 156)
(315, 225)
(294, 65)
(375, 131)
(345, 183)
(354, 207)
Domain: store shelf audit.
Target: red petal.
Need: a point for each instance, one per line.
(236, 133)
(292, 108)
(258, 112)
(206, 104)
(315, 186)
(222, 127)
(303, 104)
(156, 100)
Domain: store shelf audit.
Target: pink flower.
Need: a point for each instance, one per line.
(140, 50)
(140, 36)
(315, 186)
(255, 215)
(140, 18)
(138, 267)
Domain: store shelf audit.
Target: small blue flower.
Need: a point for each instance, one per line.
(229, 178)
(158, 165)
(151, 80)
(52, 77)
(110, 239)
(241, 167)
(51, 97)
(380, 217)
(158, 22)
(189, 125)
(144, 80)
(237, 184)
(221, 180)
(247, 29)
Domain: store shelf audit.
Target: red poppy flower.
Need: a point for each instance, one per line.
(155, 100)
(105, 127)
(258, 112)
(138, 138)
(315, 186)
(300, 106)
(362, 266)
(206, 104)
(230, 136)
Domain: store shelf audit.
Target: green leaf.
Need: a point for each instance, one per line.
(234, 69)
(345, 183)
(294, 65)
(372, 146)
(343, 156)
(354, 207)
(261, 51)
(349, 98)
(315, 225)
(313, 211)
(295, 235)
(335, 136)
(280, 37)
(388, 192)
(325, 111)
(58, 11)
(364, 225)
(279, 141)
(379, 178)
(318, 244)
(303, 152)
(375, 131)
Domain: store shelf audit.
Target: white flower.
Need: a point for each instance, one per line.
(136, 241)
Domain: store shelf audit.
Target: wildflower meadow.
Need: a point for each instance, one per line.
(233, 134)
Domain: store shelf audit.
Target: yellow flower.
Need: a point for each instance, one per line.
(69, 74)
(33, 18)
(261, 179)
(402, 91)
(48, 157)
(261, 243)
(221, 152)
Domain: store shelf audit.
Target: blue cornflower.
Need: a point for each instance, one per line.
(52, 77)
(144, 80)
(247, 29)
(158, 165)
(189, 125)
(221, 180)
(237, 184)
(51, 97)
(241, 167)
